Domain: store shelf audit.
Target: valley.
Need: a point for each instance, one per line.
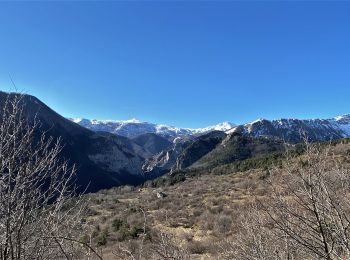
(195, 195)
(202, 214)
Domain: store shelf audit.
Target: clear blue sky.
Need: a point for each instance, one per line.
(188, 64)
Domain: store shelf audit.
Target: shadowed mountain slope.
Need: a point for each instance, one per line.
(102, 161)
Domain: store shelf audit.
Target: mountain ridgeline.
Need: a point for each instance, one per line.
(102, 160)
(293, 130)
(112, 153)
(132, 128)
(289, 130)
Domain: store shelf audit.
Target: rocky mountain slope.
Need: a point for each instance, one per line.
(165, 160)
(237, 147)
(210, 150)
(152, 143)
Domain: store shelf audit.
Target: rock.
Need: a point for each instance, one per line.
(161, 195)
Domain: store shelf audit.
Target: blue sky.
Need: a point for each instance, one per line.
(188, 64)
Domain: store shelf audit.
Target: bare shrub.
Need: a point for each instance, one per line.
(223, 224)
(256, 240)
(166, 247)
(196, 247)
(307, 214)
(206, 221)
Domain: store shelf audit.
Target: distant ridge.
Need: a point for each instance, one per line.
(286, 129)
(133, 127)
(290, 130)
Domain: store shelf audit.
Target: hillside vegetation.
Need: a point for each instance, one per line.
(203, 215)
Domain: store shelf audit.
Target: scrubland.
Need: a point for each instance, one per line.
(226, 215)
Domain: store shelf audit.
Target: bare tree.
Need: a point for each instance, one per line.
(311, 205)
(308, 209)
(38, 213)
(166, 247)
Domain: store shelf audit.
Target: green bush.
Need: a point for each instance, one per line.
(168, 180)
(102, 238)
(177, 178)
(126, 232)
(135, 231)
(117, 224)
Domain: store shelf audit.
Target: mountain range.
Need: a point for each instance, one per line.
(112, 153)
(218, 144)
(134, 127)
(292, 130)
(289, 130)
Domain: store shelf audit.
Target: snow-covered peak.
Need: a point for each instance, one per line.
(324, 128)
(344, 119)
(290, 128)
(76, 120)
(134, 121)
(343, 122)
(134, 127)
(224, 126)
(259, 120)
(97, 122)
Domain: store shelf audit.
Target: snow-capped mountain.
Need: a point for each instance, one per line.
(286, 129)
(134, 127)
(291, 130)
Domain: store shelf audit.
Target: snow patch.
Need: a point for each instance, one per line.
(134, 127)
